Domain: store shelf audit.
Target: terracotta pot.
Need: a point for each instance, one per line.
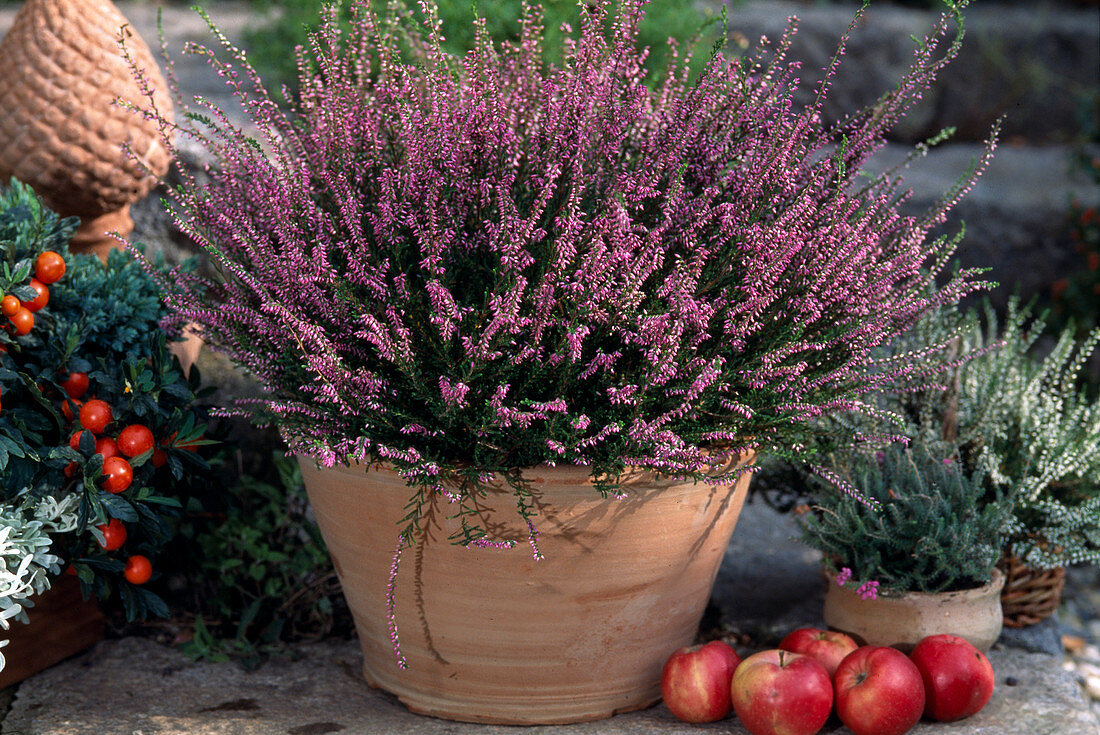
(494, 636)
(903, 621)
(61, 130)
(62, 623)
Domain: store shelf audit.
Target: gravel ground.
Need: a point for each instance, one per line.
(1079, 618)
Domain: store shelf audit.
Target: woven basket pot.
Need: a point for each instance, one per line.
(61, 130)
(902, 621)
(1029, 595)
(491, 635)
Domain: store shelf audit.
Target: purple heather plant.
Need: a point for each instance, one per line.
(471, 266)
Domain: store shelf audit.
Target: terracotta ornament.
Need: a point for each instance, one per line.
(61, 128)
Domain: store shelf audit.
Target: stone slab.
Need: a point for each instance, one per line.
(768, 582)
(135, 686)
(1016, 215)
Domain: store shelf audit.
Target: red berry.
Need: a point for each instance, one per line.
(134, 440)
(95, 415)
(114, 534)
(67, 410)
(41, 298)
(138, 569)
(106, 446)
(117, 474)
(23, 321)
(74, 440)
(76, 385)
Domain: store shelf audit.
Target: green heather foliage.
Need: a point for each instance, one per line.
(1028, 422)
(1018, 413)
(100, 320)
(930, 529)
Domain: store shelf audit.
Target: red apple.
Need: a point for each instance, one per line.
(879, 691)
(782, 693)
(827, 646)
(695, 681)
(958, 678)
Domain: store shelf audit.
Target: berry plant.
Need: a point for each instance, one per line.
(96, 422)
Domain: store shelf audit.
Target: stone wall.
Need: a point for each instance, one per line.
(1037, 64)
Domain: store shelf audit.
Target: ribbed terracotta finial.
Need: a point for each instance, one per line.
(61, 129)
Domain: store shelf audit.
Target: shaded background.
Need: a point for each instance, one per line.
(1035, 65)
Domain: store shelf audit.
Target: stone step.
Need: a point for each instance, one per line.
(1016, 215)
(1037, 64)
(134, 685)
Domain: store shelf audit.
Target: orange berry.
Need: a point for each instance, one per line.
(9, 305)
(41, 298)
(23, 321)
(49, 267)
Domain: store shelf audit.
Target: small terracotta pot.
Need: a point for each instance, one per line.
(61, 624)
(903, 621)
(492, 635)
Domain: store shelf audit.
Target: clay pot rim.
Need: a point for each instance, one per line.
(534, 473)
(993, 586)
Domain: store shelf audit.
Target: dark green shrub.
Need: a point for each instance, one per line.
(288, 23)
(258, 569)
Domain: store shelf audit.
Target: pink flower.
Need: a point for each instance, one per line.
(844, 575)
(868, 590)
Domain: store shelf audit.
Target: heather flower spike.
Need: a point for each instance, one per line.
(470, 266)
(868, 590)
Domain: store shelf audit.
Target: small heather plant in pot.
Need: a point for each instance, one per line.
(465, 267)
(927, 528)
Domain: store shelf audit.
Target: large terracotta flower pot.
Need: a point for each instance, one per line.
(904, 620)
(492, 635)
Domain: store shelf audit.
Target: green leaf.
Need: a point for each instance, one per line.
(118, 507)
